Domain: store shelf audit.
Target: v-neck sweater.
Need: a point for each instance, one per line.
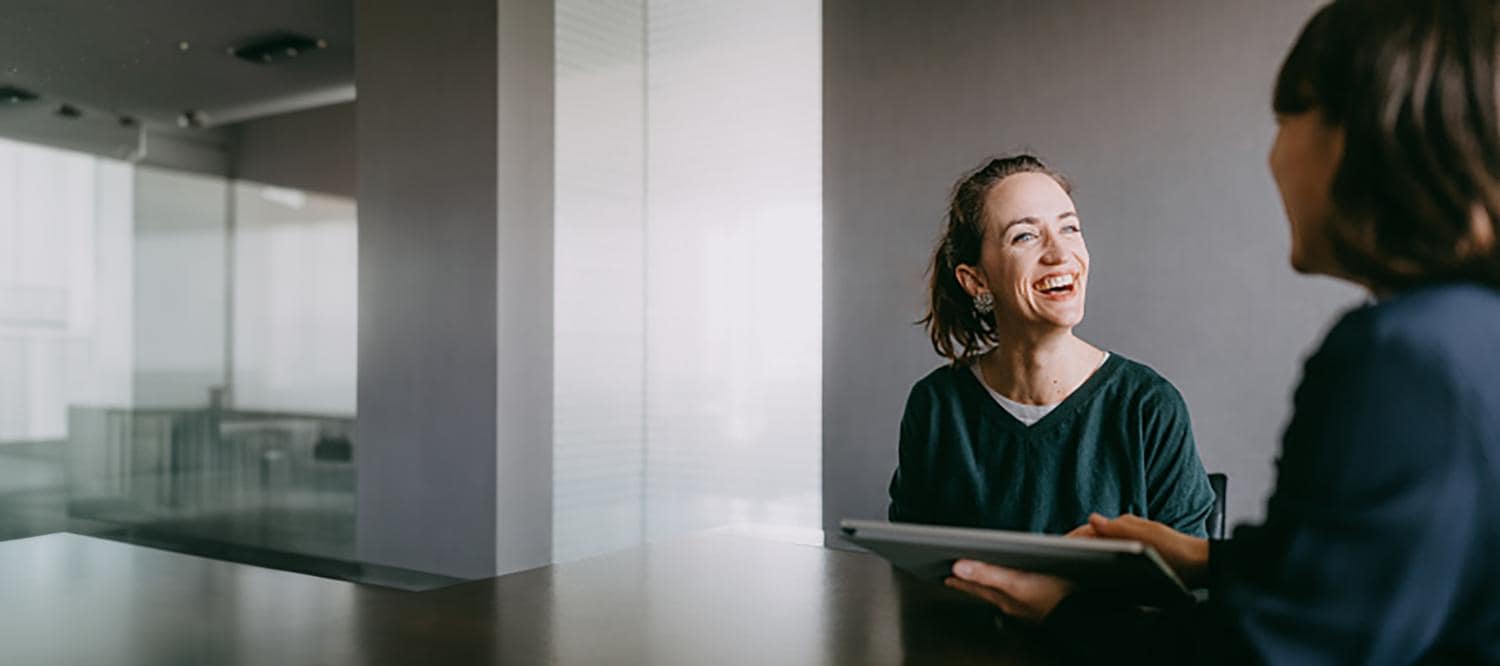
(1026, 414)
(1122, 442)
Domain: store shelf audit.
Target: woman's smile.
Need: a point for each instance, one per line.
(1057, 286)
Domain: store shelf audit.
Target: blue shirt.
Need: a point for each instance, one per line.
(1381, 542)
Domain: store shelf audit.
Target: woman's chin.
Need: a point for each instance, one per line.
(1062, 315)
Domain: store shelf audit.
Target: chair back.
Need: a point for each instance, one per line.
(1220, 483)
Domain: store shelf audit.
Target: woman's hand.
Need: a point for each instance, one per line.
(1188, 555)
(1031, 597)
(1019, 594)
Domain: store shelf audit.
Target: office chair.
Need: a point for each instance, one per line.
(1215, 526)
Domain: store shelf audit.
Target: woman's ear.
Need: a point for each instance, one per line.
(1335, 140)
(970, 279)
(1481, 237)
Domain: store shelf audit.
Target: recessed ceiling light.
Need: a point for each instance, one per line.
(14, 95)
(191, 118)
(277, 47)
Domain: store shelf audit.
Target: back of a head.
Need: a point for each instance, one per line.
(1413, 85)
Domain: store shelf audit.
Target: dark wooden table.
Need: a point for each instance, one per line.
(68, 599)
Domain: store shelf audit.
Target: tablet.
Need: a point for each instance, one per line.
(1130, 569)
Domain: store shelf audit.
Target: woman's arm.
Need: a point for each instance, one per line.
(1178, 493)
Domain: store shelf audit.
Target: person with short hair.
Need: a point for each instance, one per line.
(1381, 541)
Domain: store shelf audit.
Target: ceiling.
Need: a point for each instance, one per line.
(126, 57)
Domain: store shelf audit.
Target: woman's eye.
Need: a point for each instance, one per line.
(1023, 237)
(1072, 229)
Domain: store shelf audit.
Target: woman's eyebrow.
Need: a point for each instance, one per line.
(1033, 220)
(1020, 220)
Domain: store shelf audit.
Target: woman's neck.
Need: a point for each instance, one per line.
(1039, 370)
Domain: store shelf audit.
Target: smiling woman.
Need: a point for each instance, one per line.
(1029, 427)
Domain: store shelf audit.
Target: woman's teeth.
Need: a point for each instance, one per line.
(1056, 282)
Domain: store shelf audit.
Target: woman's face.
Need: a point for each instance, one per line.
(1304, 158)
(1033, 258)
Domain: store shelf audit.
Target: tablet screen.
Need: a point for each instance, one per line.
(1127, 568)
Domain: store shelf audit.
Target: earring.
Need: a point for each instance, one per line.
(984, 303)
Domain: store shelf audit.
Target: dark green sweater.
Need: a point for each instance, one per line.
(1121, 443)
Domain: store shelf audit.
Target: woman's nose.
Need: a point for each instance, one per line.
(1051, 252)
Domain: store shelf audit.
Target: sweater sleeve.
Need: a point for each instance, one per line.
(1177, 489)
(910, 491)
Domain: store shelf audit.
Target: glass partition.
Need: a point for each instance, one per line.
(689, 275)
(176, 356)
(178, 301)
(65, 318)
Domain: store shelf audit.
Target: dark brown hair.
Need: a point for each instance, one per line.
(958, 331)
(1412, 83)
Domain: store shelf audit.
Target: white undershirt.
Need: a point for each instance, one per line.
(1026, 414)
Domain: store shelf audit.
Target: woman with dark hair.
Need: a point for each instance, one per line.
(1381, 542)
(1029, 427)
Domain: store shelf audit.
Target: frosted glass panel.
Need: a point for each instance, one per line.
(599, 321)
(65, 318)
(734, 284)
(65, 279)
(296, 268)
(119, 366)
(180, 288)
(688, 311)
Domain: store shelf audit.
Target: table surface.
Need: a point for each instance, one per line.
(707, 599)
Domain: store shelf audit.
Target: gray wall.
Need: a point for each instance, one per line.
(523, 257)
(1159, 111)
(453, 442)
(310, 150)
